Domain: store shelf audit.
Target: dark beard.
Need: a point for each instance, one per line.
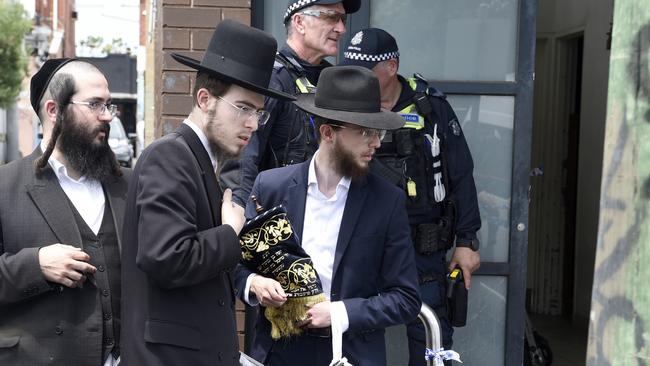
(89, 158)
(346, 165)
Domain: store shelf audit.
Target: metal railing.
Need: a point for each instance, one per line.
(431, 330)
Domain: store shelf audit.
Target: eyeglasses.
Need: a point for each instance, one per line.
(98, 108)
(367, 133)
(244, 113)
(329, 16)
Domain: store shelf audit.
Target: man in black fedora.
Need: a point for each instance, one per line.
(61, 211)
(181, 227)
(352, 224)
(314, 29)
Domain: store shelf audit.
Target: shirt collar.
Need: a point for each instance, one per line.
(311, 178)
(60, 170)
(204, 141)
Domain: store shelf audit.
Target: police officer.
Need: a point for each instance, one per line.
(429, 158)
(313, 28)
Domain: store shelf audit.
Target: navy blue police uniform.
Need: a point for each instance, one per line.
(423, 209)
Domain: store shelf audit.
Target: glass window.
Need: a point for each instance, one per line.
(487, 123)
(452, 40)
(273, 17)
(482, 340)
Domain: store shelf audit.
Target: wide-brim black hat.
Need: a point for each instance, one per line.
(241, 55)
(349, 94)
(40, 81)
(350, 6)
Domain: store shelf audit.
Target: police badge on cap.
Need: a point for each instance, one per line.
(370, 46)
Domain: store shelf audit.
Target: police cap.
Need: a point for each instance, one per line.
(369, 47)
(350, 6)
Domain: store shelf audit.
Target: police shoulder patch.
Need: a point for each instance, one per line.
(455, 127)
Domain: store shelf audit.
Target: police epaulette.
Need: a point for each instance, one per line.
(278, 65)
(422, 86)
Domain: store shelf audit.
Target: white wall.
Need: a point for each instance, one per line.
(559, 18)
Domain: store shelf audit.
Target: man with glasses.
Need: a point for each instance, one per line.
(430, 160)
(61, 212)
(314, 29)
(181, 228)
(351, 223)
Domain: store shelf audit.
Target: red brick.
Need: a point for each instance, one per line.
(175, 104)
(240, 15)
(176, 38)
(169, 124)
(241, 321)
(226, 3)
(194, 17)
(239, 305)
(201, 38)
(170, 64)
(176, 82)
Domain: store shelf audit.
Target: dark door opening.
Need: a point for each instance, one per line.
(553, 207)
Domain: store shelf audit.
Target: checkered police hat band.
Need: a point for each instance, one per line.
(297, 5)
(370, 58)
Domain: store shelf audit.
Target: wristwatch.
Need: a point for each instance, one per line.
(473, 244)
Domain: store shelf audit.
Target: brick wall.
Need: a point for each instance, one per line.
(186, 28)
(182, 26)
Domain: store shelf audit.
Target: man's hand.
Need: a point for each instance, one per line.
(268, 291)
(318, 316)
(65, 264)
(231, 213)
(468, 261)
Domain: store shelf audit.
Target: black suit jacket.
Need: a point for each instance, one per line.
(374, 269)
(178, 306)
(40, 322)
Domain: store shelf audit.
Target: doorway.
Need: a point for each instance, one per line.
(553, 205)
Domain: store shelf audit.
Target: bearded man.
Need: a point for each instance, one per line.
(61, 211)
(352, 224)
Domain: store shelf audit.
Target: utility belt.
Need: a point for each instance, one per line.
(438, 235)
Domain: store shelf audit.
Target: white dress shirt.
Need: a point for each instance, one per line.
(321, 232)
(87, 195)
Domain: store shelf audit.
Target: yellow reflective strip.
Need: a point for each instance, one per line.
(303, 89)
(412, 83)
(410, 109)
(415, 126)
(304, 85)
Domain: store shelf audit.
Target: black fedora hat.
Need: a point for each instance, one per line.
(350, 6)
(241, 55)
(349, 94)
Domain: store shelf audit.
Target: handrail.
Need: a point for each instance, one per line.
(431, 330)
